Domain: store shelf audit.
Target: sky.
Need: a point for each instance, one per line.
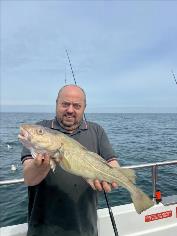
(122, 54)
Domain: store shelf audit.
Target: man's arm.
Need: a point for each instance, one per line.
(35, 170)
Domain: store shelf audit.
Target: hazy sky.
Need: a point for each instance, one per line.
(122, 53)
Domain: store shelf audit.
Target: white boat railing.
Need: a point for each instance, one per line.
(13, 181)
(153, 166)
(154, 175)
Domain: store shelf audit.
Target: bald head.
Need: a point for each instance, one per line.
(72, 88)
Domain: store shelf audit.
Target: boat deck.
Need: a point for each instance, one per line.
(159, 220)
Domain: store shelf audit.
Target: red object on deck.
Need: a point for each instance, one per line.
(158, 196)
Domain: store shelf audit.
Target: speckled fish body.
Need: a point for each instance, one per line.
(77, 160)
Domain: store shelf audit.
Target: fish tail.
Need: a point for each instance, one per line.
(141, 201)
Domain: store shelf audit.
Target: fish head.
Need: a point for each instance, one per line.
(38, 138)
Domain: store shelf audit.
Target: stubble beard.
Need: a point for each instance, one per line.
(67, 125)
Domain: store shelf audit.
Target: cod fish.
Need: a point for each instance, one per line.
(76, 159)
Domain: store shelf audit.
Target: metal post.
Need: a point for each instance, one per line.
(154, 181)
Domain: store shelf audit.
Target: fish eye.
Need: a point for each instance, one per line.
(40, 131)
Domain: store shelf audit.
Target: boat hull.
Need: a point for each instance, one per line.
(158, 220)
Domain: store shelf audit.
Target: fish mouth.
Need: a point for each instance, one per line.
(24, 135)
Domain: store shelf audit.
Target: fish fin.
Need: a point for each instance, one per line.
(141, 201)
(57, 155)
(52, 165)
(64, 163)
(59, 152)
(129, 173)
(62, 160)
(61, 149)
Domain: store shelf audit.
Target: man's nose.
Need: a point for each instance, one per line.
(70, 108)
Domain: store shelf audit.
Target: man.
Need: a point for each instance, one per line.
(62, 204)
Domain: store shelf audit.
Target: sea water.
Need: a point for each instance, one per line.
(136, 138)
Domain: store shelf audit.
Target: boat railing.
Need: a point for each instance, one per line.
(153, 166)
(154, 172)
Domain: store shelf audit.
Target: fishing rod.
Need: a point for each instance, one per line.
(72, 73)
(111, 215)
(65, 74)
(107, 201)
(174, 76)
(71, 66)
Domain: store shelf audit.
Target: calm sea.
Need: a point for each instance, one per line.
(136, 138)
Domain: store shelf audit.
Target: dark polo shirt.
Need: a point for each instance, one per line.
(64, 204)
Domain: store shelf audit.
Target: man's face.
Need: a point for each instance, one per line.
(70, 107)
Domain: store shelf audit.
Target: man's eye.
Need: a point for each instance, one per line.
(40, 131)
(65, 104)
(76, 106)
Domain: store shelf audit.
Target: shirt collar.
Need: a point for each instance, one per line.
(56, 125)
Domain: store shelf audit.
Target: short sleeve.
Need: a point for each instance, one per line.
(25, 154)
(106, 150)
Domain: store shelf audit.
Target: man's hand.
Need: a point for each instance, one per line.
(97, 185)
(42, 161)
(35, 170)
